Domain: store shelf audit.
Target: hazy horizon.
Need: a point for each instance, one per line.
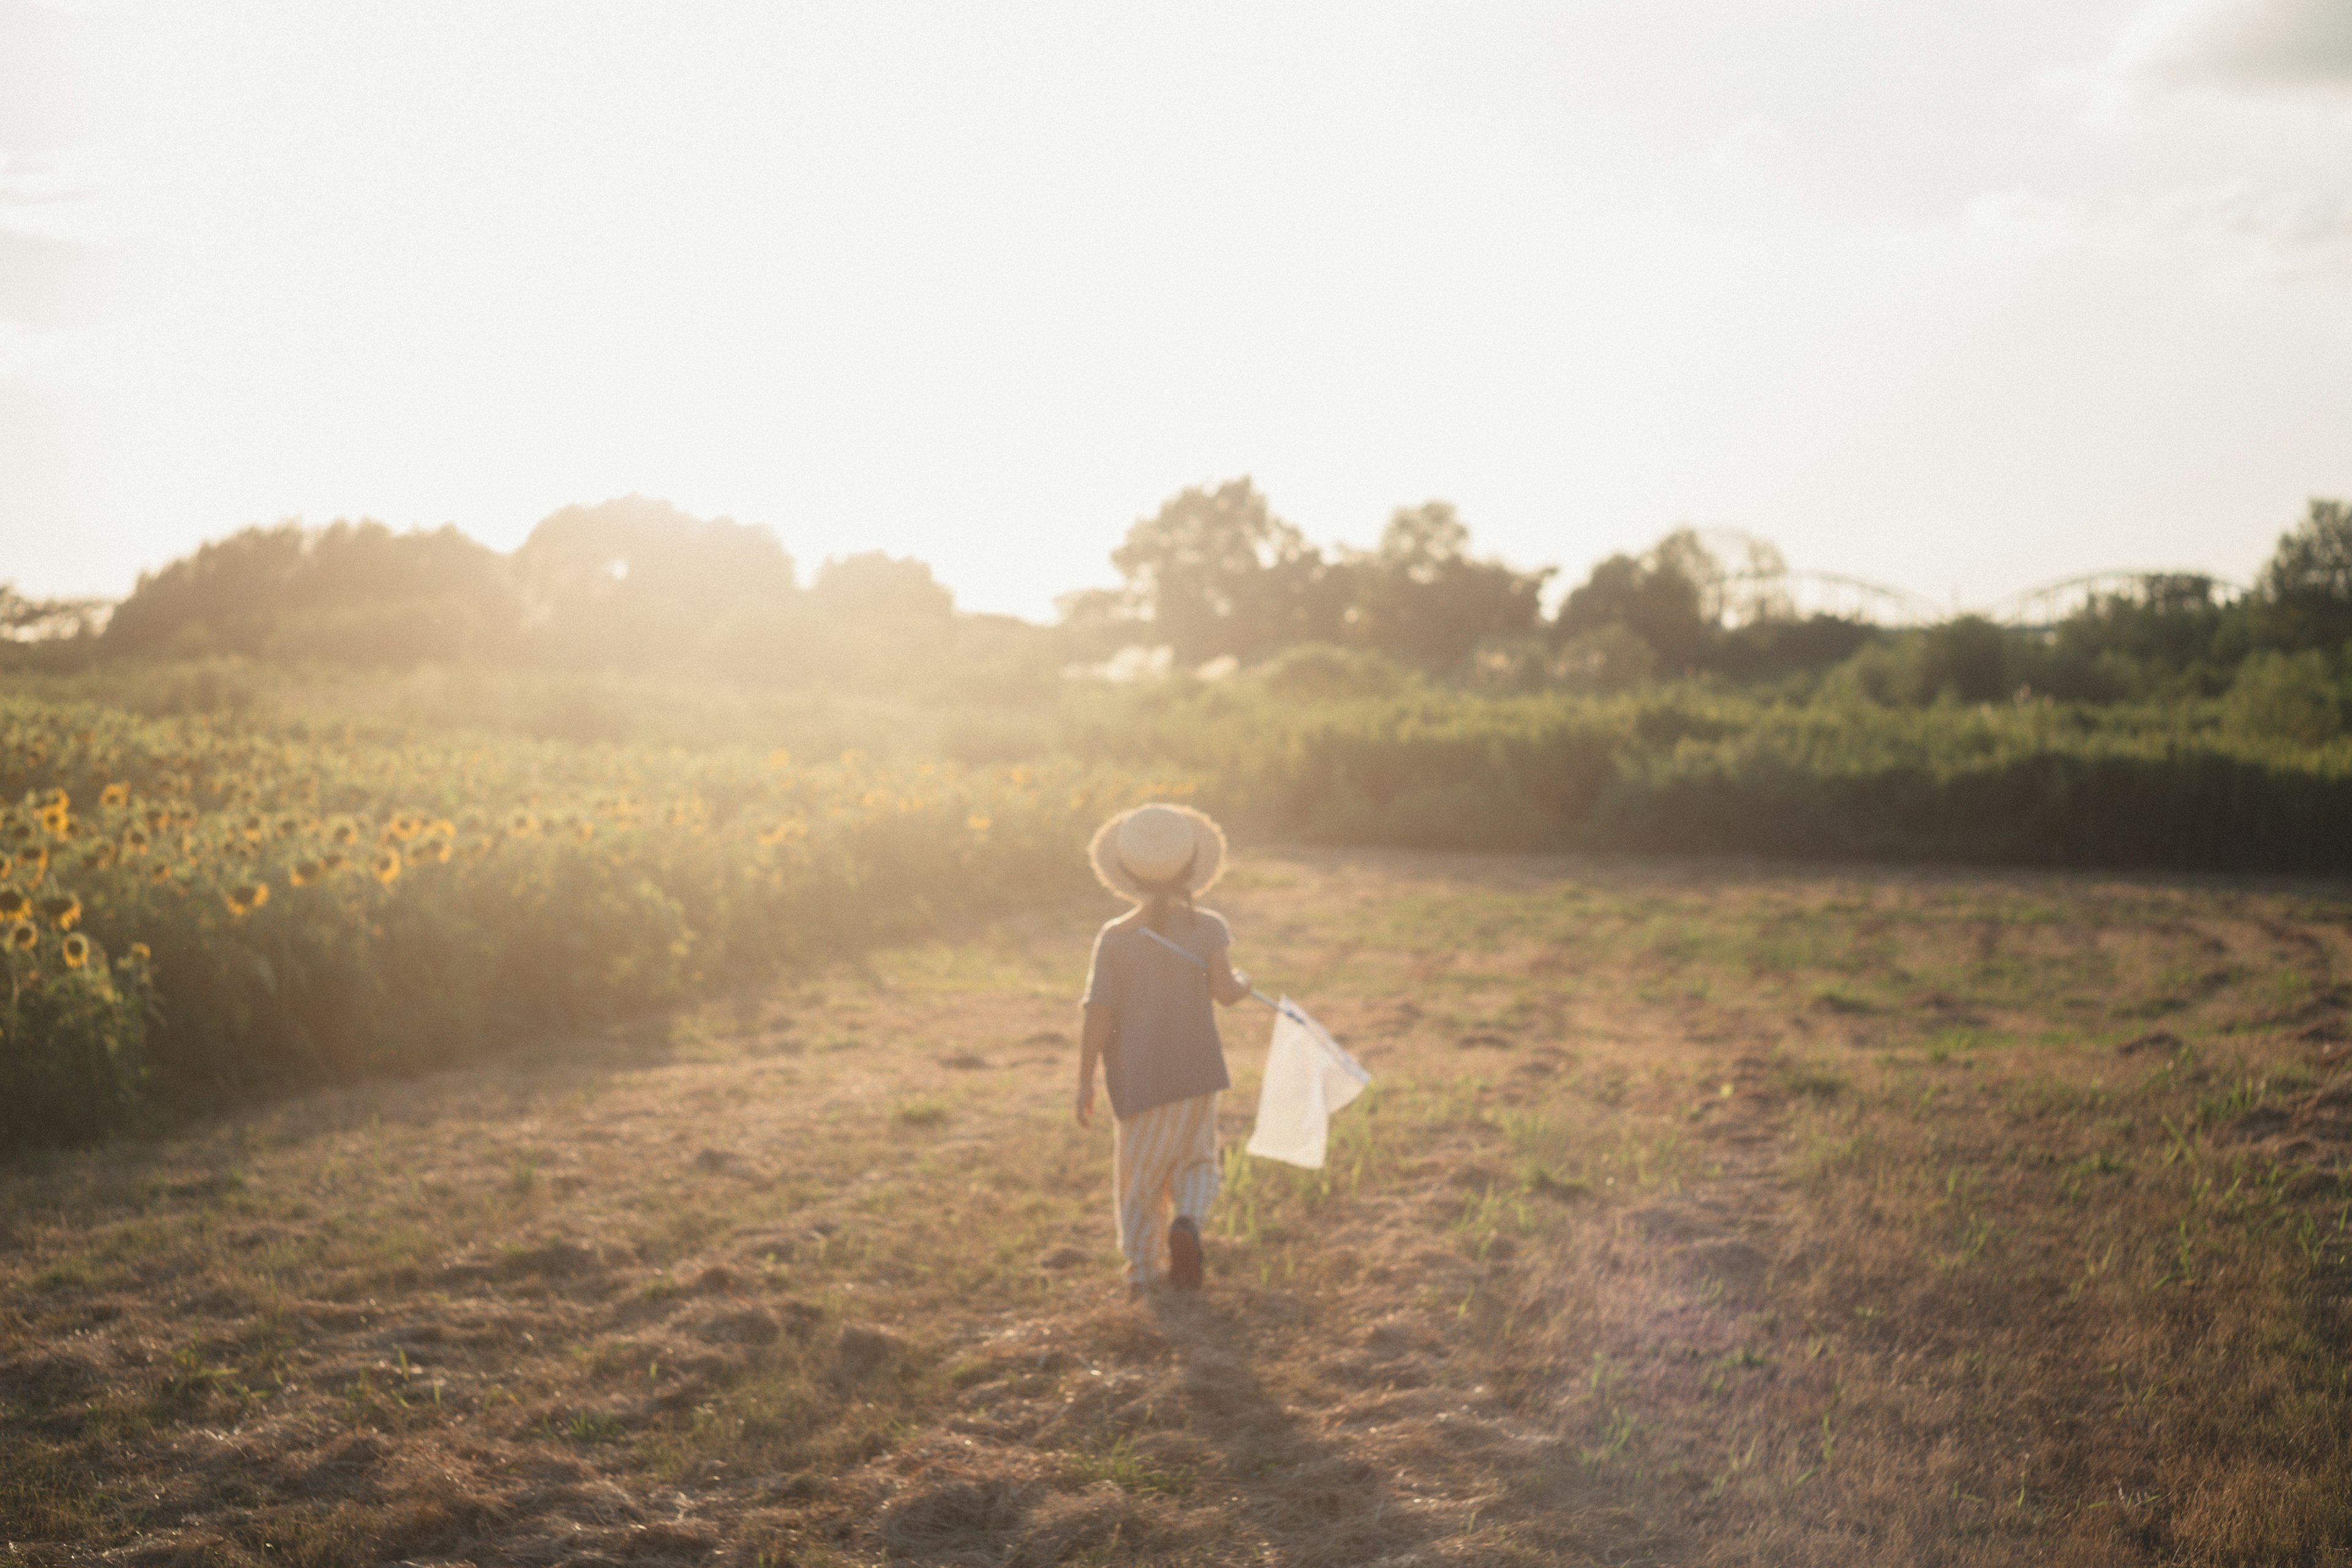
(1962, 303)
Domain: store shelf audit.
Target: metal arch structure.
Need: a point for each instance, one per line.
(1752, 581)
(1800, 596)
(1857, 598)
(2040, 609)
(1744, 578)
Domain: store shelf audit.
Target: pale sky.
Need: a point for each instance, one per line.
(1963, 299)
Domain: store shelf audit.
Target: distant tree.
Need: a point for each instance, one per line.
(1092, 624)
(636, 583)
(351, 591)
(1696, 610)
(1771, 647)
(878, 622)
(878, 588)
(1966, 657)
(2169, 631)
(2305, 592)
(1420, 597)
(1215, 572)
(23, 620)
(1658, 597)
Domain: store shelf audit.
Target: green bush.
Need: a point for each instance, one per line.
(1687, 768)
(2286, 697)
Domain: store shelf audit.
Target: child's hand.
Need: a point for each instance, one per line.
(1086, 1106)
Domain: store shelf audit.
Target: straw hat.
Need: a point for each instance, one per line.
(1157, 847)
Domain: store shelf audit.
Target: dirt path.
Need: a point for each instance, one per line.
(1700, 1214)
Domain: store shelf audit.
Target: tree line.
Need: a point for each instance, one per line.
(1214, 571)
(635, 584)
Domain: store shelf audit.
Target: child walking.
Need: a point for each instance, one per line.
(1149, 1023)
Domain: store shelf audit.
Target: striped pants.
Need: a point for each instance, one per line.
(1166, 1155)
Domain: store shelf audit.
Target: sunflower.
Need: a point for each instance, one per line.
(7, 865)
(35, 861)
(345, 832)
(58, 821)
(141, 953)
(246, 898)
(62, 911)
(785, 832)
(114, 795)
(386, 869)
(160, 872)
(77, 951)
(23, 935)
(253, 828)
(13, 904)
(160, 819)
(330, 861)
(303, 872)
(134, 843)
(584, 829)
(521, 823)
(435, 849)
(404, 826)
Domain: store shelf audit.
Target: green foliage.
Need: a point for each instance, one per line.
(2305, 593)
(352, 592)
(1320, 672)
(47, 620)
(2174, 635)
(2293, 698)
(1217, 572)
(71, 1068)
(318, 908)
(635, 583)
(1420, 597)
(1214, 571)
(1690, 769)
(1656, 598)
(1965, 658)
(629, 588)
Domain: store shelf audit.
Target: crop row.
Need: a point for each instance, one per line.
(195, 912)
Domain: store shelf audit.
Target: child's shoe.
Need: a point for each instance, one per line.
(1184, 1264)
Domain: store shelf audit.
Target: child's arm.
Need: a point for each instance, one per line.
(1226, 984)
(1092, 1039)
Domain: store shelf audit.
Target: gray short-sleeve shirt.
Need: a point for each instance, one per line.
(1164, 1046)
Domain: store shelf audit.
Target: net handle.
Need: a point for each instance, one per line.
(1197, 961)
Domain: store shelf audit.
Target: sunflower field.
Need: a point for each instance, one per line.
(196, 910)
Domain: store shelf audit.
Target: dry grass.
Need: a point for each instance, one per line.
(1700, 1214)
